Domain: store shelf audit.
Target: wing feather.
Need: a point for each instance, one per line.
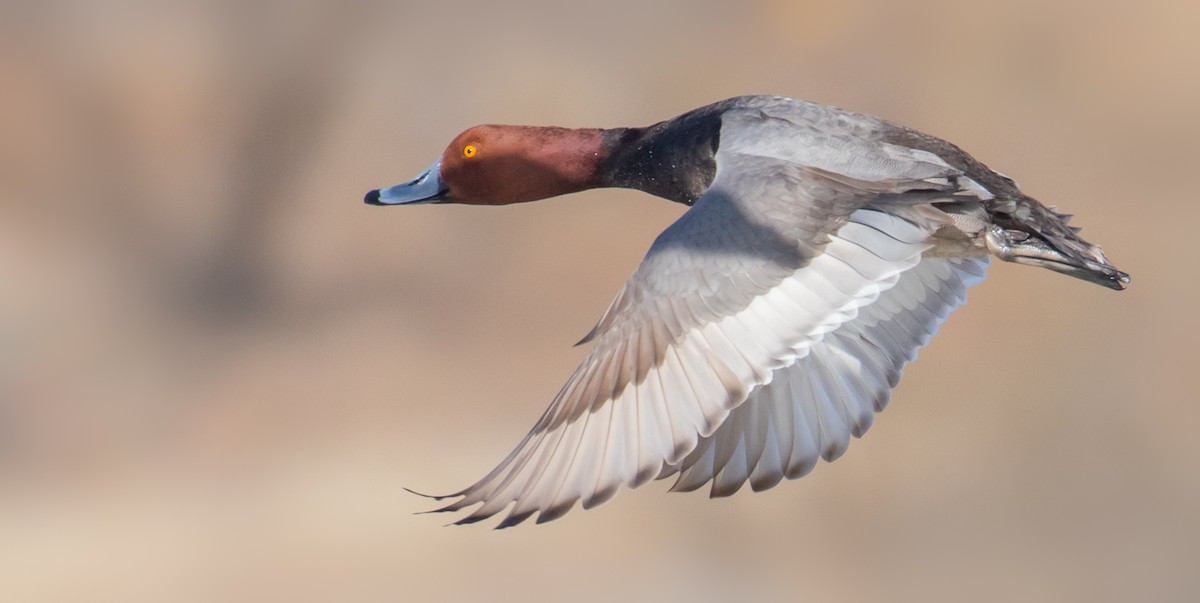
(816, 403)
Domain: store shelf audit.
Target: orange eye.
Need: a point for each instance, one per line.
(469, 151)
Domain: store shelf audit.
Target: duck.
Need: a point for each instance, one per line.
(765, 328)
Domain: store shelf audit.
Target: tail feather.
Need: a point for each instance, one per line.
(1031, 233)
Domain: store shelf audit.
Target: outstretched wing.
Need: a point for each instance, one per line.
(782, 250)
(811, 407)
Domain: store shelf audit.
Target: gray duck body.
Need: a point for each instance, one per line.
(766, 326)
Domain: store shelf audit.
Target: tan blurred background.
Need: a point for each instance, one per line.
(218, 368)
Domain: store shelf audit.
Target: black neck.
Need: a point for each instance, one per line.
(674, 159)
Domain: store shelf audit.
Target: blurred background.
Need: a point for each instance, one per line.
(219, 369)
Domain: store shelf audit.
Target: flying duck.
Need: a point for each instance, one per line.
(769, 323)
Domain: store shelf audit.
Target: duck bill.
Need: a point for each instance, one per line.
(426, 188)
(1033, 251)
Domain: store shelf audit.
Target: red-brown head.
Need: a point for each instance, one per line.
(498, 165)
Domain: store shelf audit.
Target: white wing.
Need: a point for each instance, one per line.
(811, 407)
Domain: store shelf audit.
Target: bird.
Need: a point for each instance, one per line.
(766, 327)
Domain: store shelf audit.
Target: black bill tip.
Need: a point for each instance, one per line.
(372, 198)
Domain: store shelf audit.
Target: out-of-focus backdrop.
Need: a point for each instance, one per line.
(219, 369)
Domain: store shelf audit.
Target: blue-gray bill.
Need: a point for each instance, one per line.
(425, 188)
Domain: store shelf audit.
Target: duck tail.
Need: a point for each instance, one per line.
(1033, 234)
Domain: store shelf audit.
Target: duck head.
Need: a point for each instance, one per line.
(499, 165)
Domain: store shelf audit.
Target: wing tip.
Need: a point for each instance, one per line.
(555, 511)
(514, 519)
(587, 338)
(431, 496)
(720, 490)
(765, 482)
(601, 496)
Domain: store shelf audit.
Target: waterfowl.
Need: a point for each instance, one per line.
(769, 323)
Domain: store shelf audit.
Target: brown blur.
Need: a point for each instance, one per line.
(219, 368)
